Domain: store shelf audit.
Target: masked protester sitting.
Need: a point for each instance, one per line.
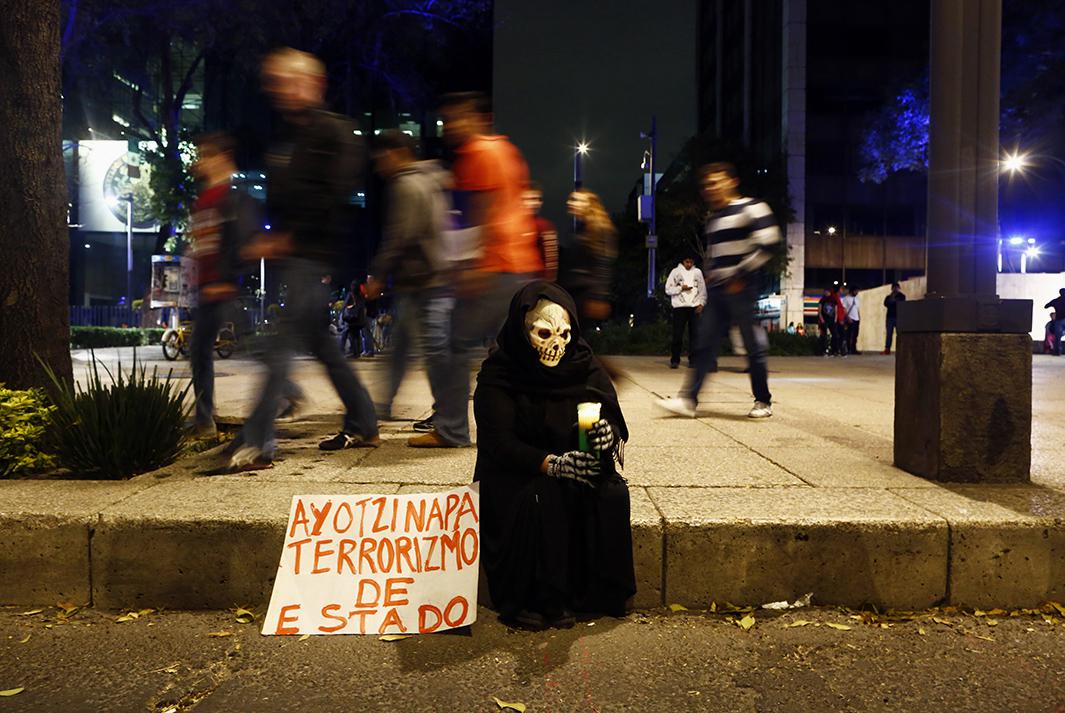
(555, 532)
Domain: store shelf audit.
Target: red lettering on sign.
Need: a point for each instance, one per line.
(282, 619)
(298, 544)
(423, 611)
(362, 614)
(299, 518)
(386, 555)
(319, 517)
(403, 546)
(392, 618)
(393, 591)
(345, 549)
(429, 557)
(366, 548)
(452, 506)
(467, 507)
(325, 613)
(470, 544)
(319, 553)
(415, 515)
(450, 543)
(379, 503)
(459, 600)
(361, 600)
(343, 507)
(434, 512)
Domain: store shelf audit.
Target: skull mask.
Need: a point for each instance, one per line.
(548, 327)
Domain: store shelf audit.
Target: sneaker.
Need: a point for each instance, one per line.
(760, 410)
(678, 405)
(344, 440)
(289, 412)
(243, 459)
(432, 439)
(886, 352)
(674, 365)
(424, 426)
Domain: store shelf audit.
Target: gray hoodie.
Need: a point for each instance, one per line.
(418, 212)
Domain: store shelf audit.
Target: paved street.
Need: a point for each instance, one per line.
(664, 661)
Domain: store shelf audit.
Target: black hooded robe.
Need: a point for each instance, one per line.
(547, 544)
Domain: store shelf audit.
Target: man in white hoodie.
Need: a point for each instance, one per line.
(687, 290)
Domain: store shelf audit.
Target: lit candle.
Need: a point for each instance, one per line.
(587, 416)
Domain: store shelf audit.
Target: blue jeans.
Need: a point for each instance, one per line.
(425, 317)
(889, 328)
(475, 318)
(303, 327)
(722, 310)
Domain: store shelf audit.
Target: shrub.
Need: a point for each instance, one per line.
(132, 425)
(653, 340)
(103, 337)
(24, 418)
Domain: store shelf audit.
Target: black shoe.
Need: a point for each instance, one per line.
(424, 426)
(674, 365)
(344, 440)
(525, 619)
(564, 619)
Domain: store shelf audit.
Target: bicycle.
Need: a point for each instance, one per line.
(175, 342)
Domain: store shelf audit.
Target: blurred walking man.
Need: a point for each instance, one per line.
(490, 178)
(412, 254)
(313, 172)
(740, 234)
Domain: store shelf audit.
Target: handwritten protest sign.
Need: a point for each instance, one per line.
(378, 564)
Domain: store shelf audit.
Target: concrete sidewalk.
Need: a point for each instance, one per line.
(723, 508)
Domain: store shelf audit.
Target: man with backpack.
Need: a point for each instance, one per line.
(412, 253)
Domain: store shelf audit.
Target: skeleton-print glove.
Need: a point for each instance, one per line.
(601, 436)
(575, 465)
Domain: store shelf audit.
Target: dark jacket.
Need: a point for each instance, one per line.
(411, 247)
(314, 170)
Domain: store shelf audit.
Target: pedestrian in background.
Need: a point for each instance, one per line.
(687, 293)
(891, 302)
(489, 180)
(314, 169)
(412, 254)
(740, 235)
(353, 321)
(590, 264)
(852, 320)
(837, 325)
(222, 221)
(546, 234)
(826, 317)
(1058, 320)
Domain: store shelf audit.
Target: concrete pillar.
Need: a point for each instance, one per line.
(794, 141)
(963, 395)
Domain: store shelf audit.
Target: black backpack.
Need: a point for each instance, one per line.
(828, 309)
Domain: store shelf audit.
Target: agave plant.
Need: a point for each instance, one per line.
(132, 425)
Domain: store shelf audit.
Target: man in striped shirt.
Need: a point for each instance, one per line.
(740, 236)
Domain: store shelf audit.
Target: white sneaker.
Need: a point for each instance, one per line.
(760, 410)
(245, 455)
(678, 405)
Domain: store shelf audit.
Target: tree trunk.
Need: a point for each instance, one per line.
(34, 246)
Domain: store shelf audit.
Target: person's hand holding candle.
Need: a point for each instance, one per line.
(601, 437)
(587, 417)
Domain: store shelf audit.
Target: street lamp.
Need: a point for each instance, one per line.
(1014, 162)
(579, 151)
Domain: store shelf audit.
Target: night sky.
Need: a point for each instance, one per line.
(572, 69)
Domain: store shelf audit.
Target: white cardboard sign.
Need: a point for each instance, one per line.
(378, 564)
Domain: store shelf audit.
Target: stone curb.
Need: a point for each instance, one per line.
(209, 543)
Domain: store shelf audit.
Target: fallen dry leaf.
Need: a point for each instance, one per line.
(304, 637)
(219, 634)
(841, 627)
(937, 620)
(991, 622)
(394, 637)
(797, 622)
(1059, 607)
(985, 638)
(244, 616)
(20, 689)
(25, 638)
(67, 608)
(746, 622)
(678, 607)
(921, 631)
(128, 616)
(504, 705)
(713, 607)
(31, 612)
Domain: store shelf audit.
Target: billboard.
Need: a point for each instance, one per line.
(105, 182)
